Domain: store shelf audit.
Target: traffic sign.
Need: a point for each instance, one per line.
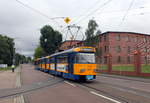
(67, 20)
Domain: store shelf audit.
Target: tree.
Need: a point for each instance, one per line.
(29, 59)
(7, 50)
(39, 52)
(98, 32)
(19, 58)
(50, 39)
(90, 33)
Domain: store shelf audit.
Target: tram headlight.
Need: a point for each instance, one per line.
(82, 70)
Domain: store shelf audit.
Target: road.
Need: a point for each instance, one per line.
(40, 87)
(63, 92)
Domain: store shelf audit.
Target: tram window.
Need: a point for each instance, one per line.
(52, 60)
(85, 58)
(37, 62)
(62, 59)
(47, 60)
(43, 61)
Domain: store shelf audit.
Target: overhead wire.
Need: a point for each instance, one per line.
(90, 14)
(103, 5)
(80, 16)
(125, 15)
(66, 35)
(78, 28)
(39, 12)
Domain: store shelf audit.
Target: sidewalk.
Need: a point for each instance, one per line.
(7, 80)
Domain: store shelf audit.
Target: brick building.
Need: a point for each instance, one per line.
(70, 44)
(121, 46)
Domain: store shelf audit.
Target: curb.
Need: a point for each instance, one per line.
(19, 98)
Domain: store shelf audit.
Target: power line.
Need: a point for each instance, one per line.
(113, 11)
(104, 4)
(125, 15)
(116, 11)
(87, 10)
(39, 12)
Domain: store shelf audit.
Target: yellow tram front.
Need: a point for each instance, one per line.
(84, 63)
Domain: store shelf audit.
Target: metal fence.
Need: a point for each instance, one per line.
(136, 64)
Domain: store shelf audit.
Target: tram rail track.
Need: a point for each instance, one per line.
(106, 92)
(125, 78)
(131, 90)
(122, 99)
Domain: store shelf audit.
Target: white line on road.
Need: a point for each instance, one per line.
(105, 97)
(70, 83)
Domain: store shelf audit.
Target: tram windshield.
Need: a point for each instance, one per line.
(85, 58)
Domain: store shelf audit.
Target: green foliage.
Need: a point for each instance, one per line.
(91, 36)
(6, 50)
(21, 59)
(39, 52)
(50, 39)
(3, 69)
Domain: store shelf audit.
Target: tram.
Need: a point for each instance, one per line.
(76, 63)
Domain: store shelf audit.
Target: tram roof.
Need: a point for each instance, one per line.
(77, 49)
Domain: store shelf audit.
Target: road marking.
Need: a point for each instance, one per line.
(20, 98)
(70, 83)
(105, 97)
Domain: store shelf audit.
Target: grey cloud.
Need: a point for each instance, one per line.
(24, 24)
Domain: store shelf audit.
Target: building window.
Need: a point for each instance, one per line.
(100, 50)
(100, 39)
(105, 37)
(145, 49)
(118, 49)
(118, 38)
(129, 49)
(136, 39)
(119, 59)
(105, 49)
(105, 60)
(145, 59)
(128, 38)
(145, 39)
(129, 59)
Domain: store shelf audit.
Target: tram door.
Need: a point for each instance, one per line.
(70, 63)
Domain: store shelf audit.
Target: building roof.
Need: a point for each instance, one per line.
(124, 32)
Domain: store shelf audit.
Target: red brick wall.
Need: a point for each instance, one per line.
(112, 42)
(69, 44)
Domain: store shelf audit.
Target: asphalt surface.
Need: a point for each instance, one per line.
(126, 82)
(105, 89)
(40, 87)
(64, 92)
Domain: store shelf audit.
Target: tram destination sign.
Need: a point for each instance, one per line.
(87, 49)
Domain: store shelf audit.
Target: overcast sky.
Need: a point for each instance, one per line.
(23, 24)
